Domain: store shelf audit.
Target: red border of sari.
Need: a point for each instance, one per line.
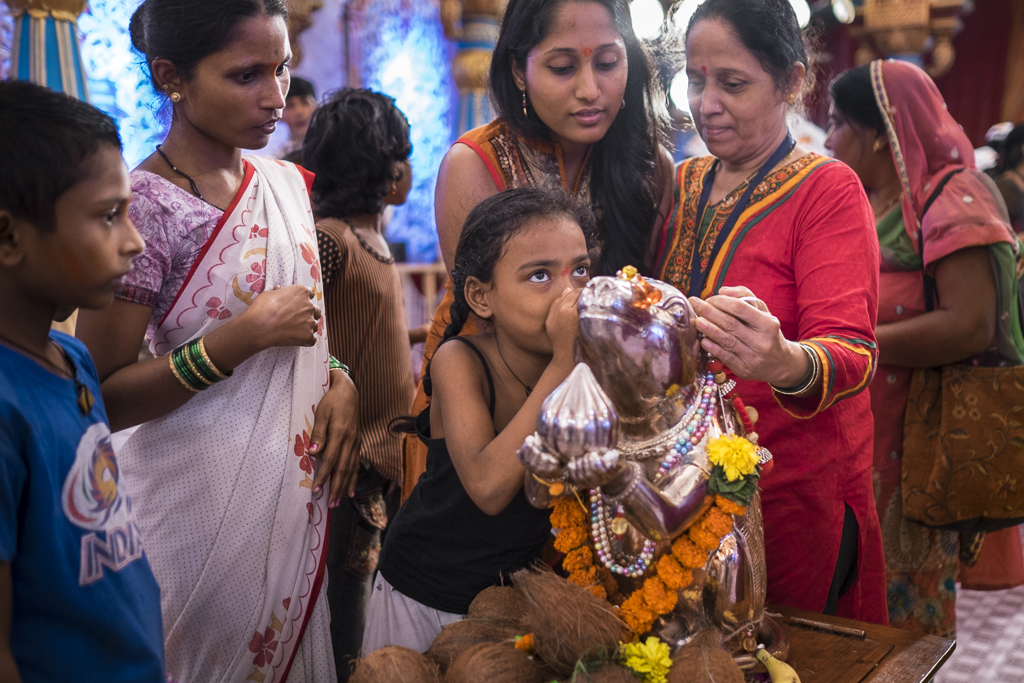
(250, 171)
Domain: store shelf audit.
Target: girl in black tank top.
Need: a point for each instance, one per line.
(521, 262)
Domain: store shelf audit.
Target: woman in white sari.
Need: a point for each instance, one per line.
(246, 434)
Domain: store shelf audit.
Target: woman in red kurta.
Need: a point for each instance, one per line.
(803, 240)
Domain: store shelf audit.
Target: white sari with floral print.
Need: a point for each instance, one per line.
(223, 485)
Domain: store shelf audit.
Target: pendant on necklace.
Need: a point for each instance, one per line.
(85, 398)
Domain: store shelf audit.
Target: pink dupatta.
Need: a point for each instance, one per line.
(223, 485)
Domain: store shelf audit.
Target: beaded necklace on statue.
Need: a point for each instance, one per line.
(604, 517)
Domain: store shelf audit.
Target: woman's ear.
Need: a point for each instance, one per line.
(477, 296)
(796, 79)
(166, 76)
(518, 76)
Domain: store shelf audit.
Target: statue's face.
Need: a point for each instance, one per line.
(637, 354)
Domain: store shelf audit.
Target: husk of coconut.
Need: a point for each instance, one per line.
(612, 673)
(395, 663)
(502, 604)
(703, 660)
(456, 638)
(493, 663)
(567, 621)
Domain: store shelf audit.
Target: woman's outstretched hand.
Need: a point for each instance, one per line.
(335, 439)
(740, 331)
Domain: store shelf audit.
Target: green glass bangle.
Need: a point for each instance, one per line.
(194, 368)
(197, 363)
(335, 364)
(177, 375)
(184, 372)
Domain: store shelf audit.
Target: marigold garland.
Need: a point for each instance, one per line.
(672, 572)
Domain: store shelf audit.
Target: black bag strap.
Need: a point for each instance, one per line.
(931, 290)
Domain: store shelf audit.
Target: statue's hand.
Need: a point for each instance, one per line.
(537, 460)
(593, 469)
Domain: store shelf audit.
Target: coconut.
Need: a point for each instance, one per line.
(567, 621)
(613, 673)
(703, 660)
(493, 663)
(501, 604)
(456, 638)
(395, 663)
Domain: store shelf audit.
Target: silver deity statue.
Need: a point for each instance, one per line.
(632, 423)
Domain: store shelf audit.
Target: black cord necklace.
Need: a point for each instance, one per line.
(186, 176)
(83, 396)
(528, 388)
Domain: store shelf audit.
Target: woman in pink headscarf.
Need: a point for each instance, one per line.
(890, 124)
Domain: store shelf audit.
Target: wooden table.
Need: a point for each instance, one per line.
(886, 655)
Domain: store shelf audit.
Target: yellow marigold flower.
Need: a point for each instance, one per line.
(689, 555)
(650, 661)
(570, 538)
(737, 456)
(672, 573)
(525, 643)
(567, 513)
(729, 506)
(578, 560)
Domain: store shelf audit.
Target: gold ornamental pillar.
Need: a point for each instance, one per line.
(473, 25)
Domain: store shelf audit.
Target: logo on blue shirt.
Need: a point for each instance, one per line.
(92, 498)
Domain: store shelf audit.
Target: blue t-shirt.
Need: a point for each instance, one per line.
(86, 605)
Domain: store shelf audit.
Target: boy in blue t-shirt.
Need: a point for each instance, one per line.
(78, 600)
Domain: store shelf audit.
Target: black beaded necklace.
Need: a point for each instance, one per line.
(83, 395)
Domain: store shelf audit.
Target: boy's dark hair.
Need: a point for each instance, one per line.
(854, 98)
(622, 164)
(186, 31)
(1013, 149)
(354, 140)
(45, 137)
(300, 87)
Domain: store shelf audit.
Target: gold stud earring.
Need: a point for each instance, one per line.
(878, 146)
(791, 98)
(175, 97)
(525, 113)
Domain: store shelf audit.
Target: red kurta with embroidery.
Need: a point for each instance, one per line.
(806, 246)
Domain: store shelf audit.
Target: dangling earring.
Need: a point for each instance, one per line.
(878, 146)
(791, 98)
(623, 105)
(394, 189)
(525, 113)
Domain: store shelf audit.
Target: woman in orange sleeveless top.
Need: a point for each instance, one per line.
(578, 110)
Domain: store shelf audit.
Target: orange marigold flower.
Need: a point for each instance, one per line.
(672, 573)
(728, 506)
(636, 624)
(704, 539)
(636, 606)
(598, 591)
(578, 560)
(658, 598)
(585, 577)
(570, 538)
(689, 555)
(718, 522)
(566, 513)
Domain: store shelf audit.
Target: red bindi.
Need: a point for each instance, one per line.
(568, 269)
(705, 70)
(587, 52)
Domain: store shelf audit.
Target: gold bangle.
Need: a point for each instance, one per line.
(177, 375)
(209, 363)
(804, 386)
